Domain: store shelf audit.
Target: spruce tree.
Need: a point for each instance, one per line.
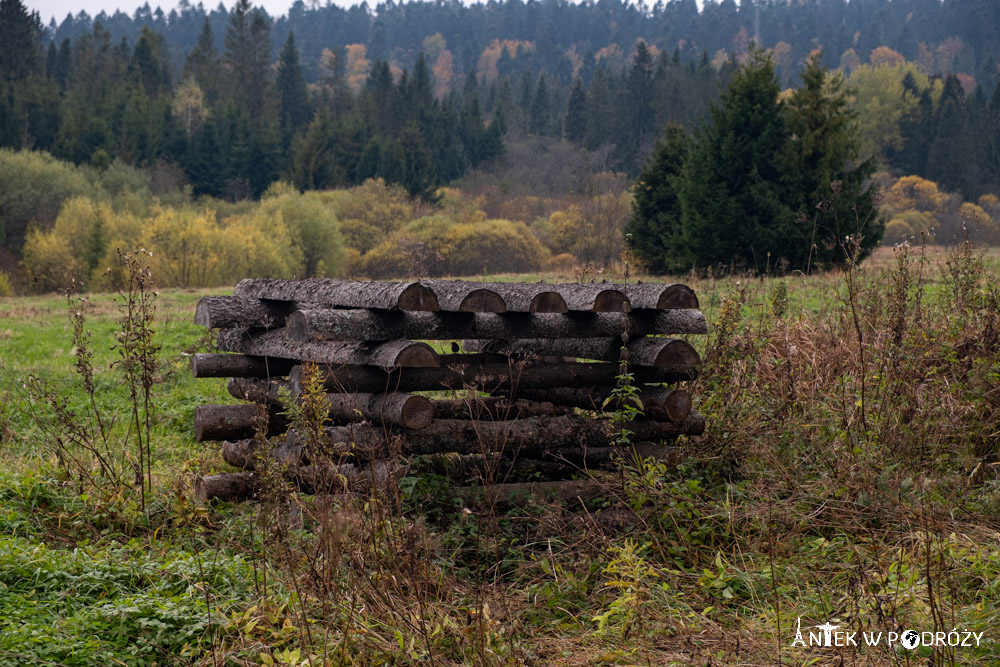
(736, 202)
(828, 172)
(656, 207)
(293, 97)
(575, 124)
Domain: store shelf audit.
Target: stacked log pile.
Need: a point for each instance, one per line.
(480, 382)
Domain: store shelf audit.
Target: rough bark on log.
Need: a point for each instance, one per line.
(342, 293)
(388, 410)
(224, 312)
(595, 297)
(239, 486)
(540, 435)
(493, 468)
(401, 353)
(660, 296)
(228, 487)
(658, 403)
(234, 422)
(347, 325)
(488, 377)
(641, 351)
(256, 390)
(239, 366)
(244, 453)
(495, 409)
(516, 297)
(466, 297)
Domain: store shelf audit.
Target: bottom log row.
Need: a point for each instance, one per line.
(507, 453)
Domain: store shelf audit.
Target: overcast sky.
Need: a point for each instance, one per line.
(59, 8)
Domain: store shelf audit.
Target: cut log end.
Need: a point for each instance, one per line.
(417, 412)
(229, 487)
(677, 297)
(610, 301)
(417, 355)
(677, 405)
(418, 297)
(548, 302)
(677, 354)
(483, 301)
(203, 314)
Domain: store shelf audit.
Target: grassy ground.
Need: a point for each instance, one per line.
(849, 474)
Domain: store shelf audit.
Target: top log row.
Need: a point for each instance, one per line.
(441, 295)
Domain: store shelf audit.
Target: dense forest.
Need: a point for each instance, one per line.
(419, 92)
(529, 99)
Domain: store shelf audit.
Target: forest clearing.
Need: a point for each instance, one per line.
(841, 480)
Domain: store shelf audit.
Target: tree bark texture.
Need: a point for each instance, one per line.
(515, 297)
(342, 293)
(661, 296)
(368, 325)
(234, 422)
(496, 409)
(487, 377)
(464, 296)
(233, 312)
(521, 437)
(658, 403)
(402, 353)
(239, 366)
(667, 352)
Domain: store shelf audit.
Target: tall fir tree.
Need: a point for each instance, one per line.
(575, 123)
(737, 206)
(293, 96)
(656, 218)
(828, 170)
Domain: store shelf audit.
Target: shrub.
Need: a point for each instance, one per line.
(561, 263)
(896, 231)
(257, 245)
(360, 236)
(48, 263)
(6, 288)
(493, 246)
(401, 255)
(33, 187)
(382, 206)
(314, 231)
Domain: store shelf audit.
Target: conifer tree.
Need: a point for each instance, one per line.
(293, 97)
(575, 124)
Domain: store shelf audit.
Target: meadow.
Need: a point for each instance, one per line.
(849, 474)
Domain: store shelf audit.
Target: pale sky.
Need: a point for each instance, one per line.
(59, 8)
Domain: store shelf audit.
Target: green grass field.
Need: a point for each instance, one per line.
(850, 474)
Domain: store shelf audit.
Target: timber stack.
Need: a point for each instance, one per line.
(485, 383)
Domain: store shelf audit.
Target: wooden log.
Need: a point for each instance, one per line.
(224, 312)
(245, 453)
(234, 422)
(347, 325)
(658, 403)
(240, 486)
(256, 390)
(493, 468)
(594, 297)
(466, 297)
(641, 351)
(495, 409)
(239, 366)
(675, 407)
(393, 410)
(342, 293)
(488, 377)
(661, 296)
(228, 487)
(516, 297)
(521, 437)
(400, 353)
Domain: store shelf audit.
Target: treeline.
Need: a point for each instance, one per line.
(230, 120)
(959, 35)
